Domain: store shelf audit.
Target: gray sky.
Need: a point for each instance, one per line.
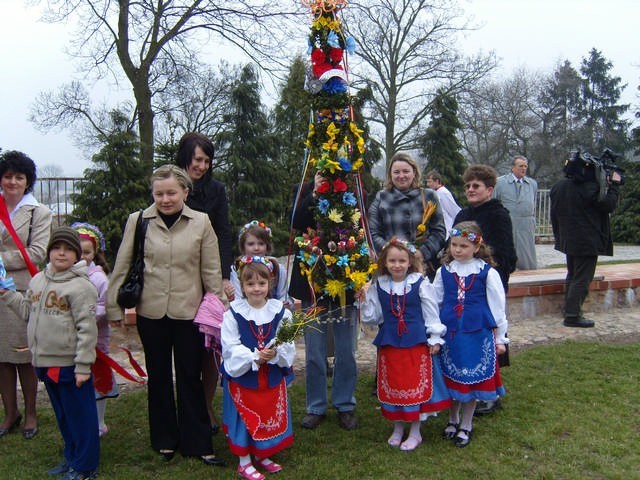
(536, 34)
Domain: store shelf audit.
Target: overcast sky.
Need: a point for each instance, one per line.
(536, 34)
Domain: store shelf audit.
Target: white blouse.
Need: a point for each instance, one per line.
(495, 291)
(239, 359)
(371, 310)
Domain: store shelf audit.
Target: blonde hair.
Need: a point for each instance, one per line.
(167, 171)
(403, 157)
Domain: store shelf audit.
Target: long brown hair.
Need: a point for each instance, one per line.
(414, 262)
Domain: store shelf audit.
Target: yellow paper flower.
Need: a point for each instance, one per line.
(358, 278)
(421, 228)
(355, 217)
(329, 259)
(335, 216)
(335, 287)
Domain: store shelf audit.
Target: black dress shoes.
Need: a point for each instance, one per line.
(212, 460)
(311, 421)
(578, 322)
(12, 427)
(347, 420)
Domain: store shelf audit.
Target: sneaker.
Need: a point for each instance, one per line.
(74, 475)
(347, 420)
(62, 467)
(311, 421)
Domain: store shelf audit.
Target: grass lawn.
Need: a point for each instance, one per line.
(572, 411)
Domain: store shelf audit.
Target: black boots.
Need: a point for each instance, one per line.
(579, 322)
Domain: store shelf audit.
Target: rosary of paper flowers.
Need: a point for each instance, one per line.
(471, 236)
(318, 7)
(90, 232)
(402, 243)
(255, 223)
(245, 260)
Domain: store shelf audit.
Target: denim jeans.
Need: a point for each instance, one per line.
(345, 373)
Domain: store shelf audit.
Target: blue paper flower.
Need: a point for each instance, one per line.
(349, 198)
(350, 44)
(333, 40)
(335, 85)
(364, 250)
(345, 164)
(323, 206)
(343, 261)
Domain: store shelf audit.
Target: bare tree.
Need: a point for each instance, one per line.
(151, 41)
(408, 48)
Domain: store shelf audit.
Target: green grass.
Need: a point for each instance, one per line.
(571, 412)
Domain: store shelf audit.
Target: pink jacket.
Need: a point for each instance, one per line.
(209, 319)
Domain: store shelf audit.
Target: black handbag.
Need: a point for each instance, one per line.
(130, 291)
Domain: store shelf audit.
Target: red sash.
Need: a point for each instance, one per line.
(404, 375)
(6, 219)
(101, 369)
(263, 410)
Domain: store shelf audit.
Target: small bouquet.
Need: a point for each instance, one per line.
(5, 283)
(428, 211)
(292, 328)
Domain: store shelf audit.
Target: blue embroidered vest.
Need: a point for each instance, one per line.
(246, 328)
(389, 333)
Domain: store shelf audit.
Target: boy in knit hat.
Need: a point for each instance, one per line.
(60, 305)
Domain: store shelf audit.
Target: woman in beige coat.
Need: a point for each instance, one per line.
(32, 223)
(181, 262)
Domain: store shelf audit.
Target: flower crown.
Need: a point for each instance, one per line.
(90, 232)
(255, 223)
(245, 260)
(398, 241)
(471, 236)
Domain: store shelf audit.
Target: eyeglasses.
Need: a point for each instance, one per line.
(474, 186)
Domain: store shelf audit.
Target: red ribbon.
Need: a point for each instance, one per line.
(6, 219)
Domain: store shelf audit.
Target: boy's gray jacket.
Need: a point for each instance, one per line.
(61, 311)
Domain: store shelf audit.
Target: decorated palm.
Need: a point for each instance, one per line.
(335, 256)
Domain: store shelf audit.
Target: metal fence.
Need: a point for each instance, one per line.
(55, 193)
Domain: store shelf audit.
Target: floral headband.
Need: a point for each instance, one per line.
(397, 241)
(245, 260)
(90, 232)
(255, 223)
(471, 236)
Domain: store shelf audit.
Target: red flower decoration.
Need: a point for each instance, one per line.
(324, 187)
(339, 185)
(335, 55)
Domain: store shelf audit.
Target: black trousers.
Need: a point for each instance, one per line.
(186, 428)
(580, 272)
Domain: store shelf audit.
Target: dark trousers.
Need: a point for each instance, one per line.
(75, 410)
(580, 272)
(186, 428)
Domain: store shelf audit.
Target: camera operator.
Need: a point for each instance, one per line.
(580, 209)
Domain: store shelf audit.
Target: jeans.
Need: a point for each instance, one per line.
(345, 372)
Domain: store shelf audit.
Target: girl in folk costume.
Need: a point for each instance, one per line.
(255, 240)
(255, 412)
(410, 385)
(472, 306)
(93, 246)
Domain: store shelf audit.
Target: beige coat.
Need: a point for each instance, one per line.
(180, 263)
(33, 226)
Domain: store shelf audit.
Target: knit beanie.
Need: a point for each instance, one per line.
(67, 235)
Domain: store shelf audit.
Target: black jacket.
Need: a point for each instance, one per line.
(495, 223)
(580, 221)
(210, 196)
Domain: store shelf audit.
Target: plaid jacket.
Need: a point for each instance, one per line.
(398, 213)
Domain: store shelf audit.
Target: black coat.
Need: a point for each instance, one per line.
(495, 223)
(580, 221)
(210, 196)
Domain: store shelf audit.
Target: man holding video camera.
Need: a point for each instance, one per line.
(580, 207)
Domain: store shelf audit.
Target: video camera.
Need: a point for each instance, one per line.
(583, 167)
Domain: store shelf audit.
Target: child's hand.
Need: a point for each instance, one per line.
(362, 293)
(81, 378)
(501, 348)
(228, 289)
(434, 349)
(265, 355)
